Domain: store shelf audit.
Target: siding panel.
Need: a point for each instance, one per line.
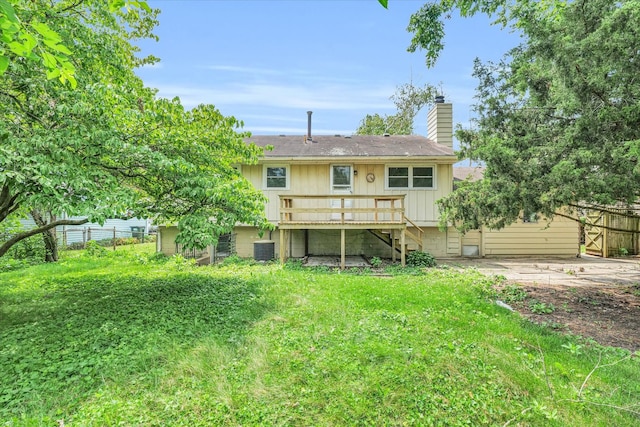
(560, 238)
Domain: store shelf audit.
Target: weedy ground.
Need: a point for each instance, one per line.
(129, 337)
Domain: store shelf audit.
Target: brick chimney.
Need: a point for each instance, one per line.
(440, 122)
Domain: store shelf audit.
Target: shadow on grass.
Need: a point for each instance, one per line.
(76, 336)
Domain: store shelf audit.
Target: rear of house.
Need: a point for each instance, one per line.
(367, 195)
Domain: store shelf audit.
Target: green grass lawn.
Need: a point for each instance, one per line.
(130, 338)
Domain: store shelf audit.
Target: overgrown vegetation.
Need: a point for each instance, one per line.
(131, 337)
(420, 259)
(31, 251)
(118, 241)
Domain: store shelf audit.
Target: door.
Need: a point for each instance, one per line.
(595, 239)
(341, 183)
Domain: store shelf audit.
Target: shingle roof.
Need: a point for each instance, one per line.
(328, 146)
(460, 173)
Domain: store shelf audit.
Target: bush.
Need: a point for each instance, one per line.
(95, 250)
(236, 260)
(421, 259)
(31, 248)
(27, 252)
(75, 246)
(119, 241)
(9, 264)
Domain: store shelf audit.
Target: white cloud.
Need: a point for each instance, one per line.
(330, 97)
(297, 131)
(274, 118)
(248, 70)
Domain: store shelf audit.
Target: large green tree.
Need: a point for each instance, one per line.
(558, 118)
(107, 147)
(409, 100)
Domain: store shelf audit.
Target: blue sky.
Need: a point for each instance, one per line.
(267, 62)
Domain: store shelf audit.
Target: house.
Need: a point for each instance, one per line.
(70, 234)
(359, 195)
(528, 236)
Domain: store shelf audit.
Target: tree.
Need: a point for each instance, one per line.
(409, 100)
(109, 147)
(34, 40)
(557, 118)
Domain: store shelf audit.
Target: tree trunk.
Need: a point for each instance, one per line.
(49, 237)
(20, 236)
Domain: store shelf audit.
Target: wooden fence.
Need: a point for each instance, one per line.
(615, 232)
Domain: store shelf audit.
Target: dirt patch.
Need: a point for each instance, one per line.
(609, 314)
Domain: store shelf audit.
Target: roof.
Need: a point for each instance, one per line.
(473, 172)
(340, 146)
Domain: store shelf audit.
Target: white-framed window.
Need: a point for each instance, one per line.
(341, 179)
(276, 177)
(410, 177)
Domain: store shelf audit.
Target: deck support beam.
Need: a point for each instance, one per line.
(282, 247)
(392, 234)
(343, 248)
(403, 248)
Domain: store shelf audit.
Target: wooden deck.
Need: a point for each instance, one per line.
(347, 212)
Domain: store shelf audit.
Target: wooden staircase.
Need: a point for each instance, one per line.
(385, 236)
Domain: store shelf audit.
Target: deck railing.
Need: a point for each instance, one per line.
(342, 209)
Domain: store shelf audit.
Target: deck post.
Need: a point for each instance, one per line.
(403, 247)
(392, 234)
(282, 246)
(343, 249)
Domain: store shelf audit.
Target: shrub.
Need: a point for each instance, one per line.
(75, 246)
(94, 249)
(421, 259)
(294, 264)
(376, 262)
(236, 260)
(30, 249)
(158, 257)
(539, 307)
(9, 264)
(513, 293)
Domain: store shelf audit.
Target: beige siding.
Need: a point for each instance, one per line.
(247, 236)
(471, 243)
(560, 238)
(168, 239)
(453, 242)
(311, 179)
(440, 124)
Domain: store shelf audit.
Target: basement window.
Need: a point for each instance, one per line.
(408, 177)
(276, 177)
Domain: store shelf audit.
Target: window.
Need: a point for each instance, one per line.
(341, 179)
(277, 177)
(422, 177)
(398, 177)
(410, 177)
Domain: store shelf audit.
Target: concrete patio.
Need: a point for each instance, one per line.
(584, 271)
